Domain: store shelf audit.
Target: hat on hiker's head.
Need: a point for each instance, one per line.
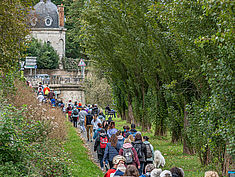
(118, 158)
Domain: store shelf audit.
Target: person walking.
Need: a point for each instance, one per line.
(110, 150)
(100, 145)
(95, 122)
(82, 115)
(89, 126)
(112, 130)
(129, 152)
(120, 140)
(149, 152)
(75, 117)
(141, 151)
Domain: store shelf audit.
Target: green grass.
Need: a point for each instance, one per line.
(173, 153)
(82, 166)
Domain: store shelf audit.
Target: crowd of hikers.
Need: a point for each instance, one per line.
(123, 152)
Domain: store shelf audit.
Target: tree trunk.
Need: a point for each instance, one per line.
(130, 111)
(186, 148)
(227, 159)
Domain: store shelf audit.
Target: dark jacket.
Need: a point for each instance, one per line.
(100, 151)
(143, 149)
(110, 152)
(88, 119)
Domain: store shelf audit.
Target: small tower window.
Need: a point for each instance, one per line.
(48, 21)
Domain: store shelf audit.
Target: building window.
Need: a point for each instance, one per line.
(48, 21)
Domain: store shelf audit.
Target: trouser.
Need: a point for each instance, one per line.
(75, 121)
(110, 164)
(82, 125)
(141, 168)
(100, 157)
(89, 129)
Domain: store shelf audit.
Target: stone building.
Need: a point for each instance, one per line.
(47, 24)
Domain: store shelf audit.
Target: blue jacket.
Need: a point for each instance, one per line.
(120, 142)
(110, 152)
(112, 131)
(96, 133)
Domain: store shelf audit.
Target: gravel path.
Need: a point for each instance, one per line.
(90, 147)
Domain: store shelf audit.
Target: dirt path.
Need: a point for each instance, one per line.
(89, 145)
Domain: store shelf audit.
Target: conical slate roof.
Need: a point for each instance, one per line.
(44, 15)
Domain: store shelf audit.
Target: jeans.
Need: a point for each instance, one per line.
(141, 168)
(75, 121)
(82, 125)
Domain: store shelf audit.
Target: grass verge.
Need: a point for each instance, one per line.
(82, 166)
(173, 153)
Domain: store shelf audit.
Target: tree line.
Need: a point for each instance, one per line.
(170, 67)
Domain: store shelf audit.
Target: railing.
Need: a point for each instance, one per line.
(55, 80)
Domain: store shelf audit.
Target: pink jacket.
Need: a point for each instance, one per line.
(136, 161)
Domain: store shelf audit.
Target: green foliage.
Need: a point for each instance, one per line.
(13, 32)
(175, 57)
(47, 58)
(25, 149)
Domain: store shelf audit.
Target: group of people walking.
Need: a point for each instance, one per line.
(120, 152)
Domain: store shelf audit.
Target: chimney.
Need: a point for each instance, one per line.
(61, 15)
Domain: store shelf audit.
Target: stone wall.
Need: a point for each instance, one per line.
(56, 37)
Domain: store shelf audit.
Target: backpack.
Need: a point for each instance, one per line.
(46, 92)
(75, 112)
(138, 149)
(89, 119)
(149, 151)
(128, 154)
(103, 142)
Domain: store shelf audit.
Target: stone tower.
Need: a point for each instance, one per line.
(47, 24)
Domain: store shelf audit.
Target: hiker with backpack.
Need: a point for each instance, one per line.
(100, 145)
(95, 109)
(46, 90)
(120, 140)
(82, 115)
(89, 126)
(141, 151)
(111, 150)
(133, 130)
(130, 154)
(69, 111)
(75, 117)
(95, 122)
(97, 132)
(112, 130)
(149, 152)
(101, 116)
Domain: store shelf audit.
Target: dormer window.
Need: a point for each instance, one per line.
(48, 21)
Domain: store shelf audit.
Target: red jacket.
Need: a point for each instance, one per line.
(110, 171)
(136, 161)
